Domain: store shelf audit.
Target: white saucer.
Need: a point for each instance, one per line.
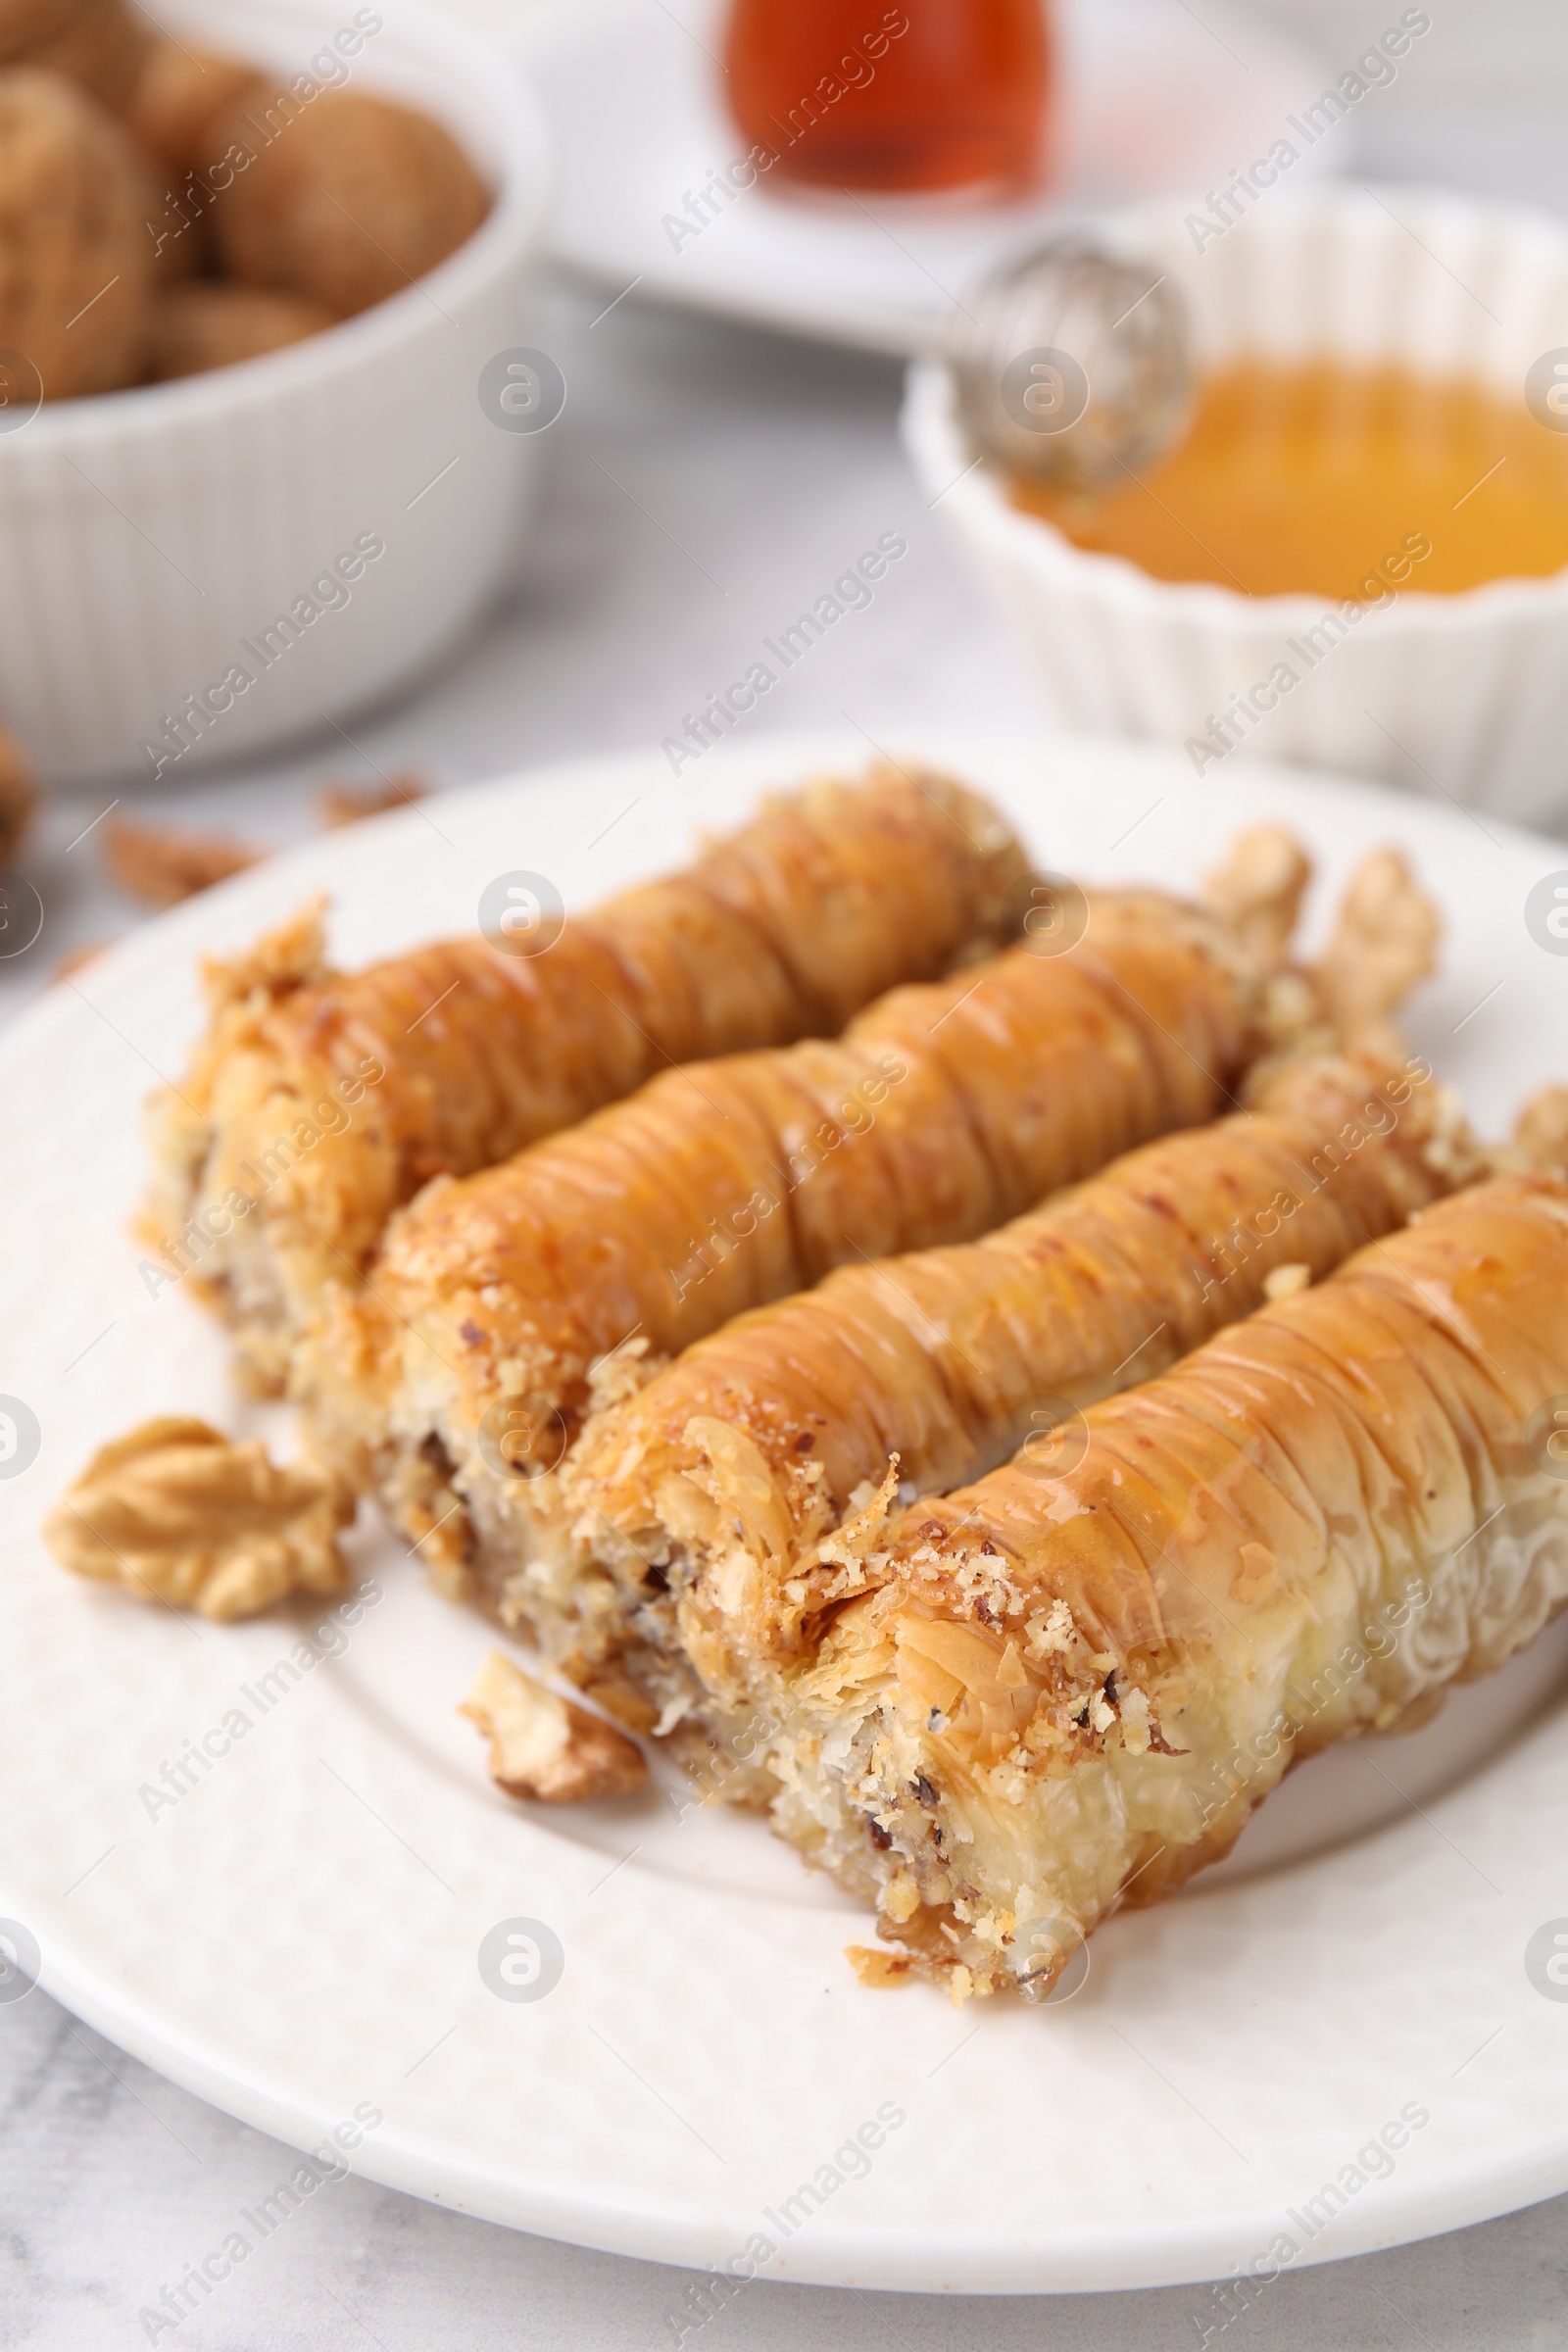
(1154, 101)
(299, 1934)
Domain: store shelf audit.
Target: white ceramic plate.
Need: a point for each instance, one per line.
(1156, 98)
(299, 1934)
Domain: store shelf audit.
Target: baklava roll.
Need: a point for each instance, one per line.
(1071, 1684)
(317, 1103)
(732, 1473)
(504, 1307)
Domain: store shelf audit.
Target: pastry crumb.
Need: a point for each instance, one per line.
(878, 1972)
(1541, 1137)
(1285, 1281)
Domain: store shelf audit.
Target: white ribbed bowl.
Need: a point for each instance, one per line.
(1465, 695)
(144, 534)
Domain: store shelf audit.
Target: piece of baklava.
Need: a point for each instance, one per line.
(730, 1506)
(316, 1102)
(1066, 1686)
(507, 1308)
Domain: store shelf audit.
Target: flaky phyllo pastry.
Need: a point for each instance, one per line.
(1067, 1688)
(998, 1440)
(507, 1309)
(318, 1102)
(755, 1477)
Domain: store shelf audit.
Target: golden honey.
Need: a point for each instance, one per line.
(1339, 483)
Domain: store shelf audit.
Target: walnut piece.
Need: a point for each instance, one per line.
(339, 803)
(346, 199)
(19, 797)
(1541, 1138)
(197, 327)
(180, 93)
(159, 865)
(75, 260)
(546, 1747)
(100, 46)
(1258, 892)
(1384, 944)
(173, 1512)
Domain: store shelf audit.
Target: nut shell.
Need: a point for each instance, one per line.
(180, 94)
(24, 23)
(75, 260)
(206, 326)
(346, 199)
(100, 46)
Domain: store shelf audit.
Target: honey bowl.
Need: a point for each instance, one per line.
(1357, 558)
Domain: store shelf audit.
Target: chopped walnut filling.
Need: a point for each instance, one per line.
(547, 1748)
(173, 1512)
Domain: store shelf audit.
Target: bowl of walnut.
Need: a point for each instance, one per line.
(267, 406)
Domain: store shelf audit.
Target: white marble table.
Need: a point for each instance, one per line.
(702, 481)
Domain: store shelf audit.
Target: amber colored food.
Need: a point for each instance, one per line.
(840, 93)
(346, 201)
(782, 930)
(1073, 1688)
(1336, 483)
(75, 257)
(543, 1281)
(729, 1469)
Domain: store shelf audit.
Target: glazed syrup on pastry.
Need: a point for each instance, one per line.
(1336, 483)
(925, 95)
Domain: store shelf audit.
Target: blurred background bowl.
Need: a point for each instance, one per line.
(148, 532)
(1464, 695)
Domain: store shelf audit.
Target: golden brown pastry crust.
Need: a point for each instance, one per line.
(323, 1100)
(745, 1470)
(1074, 1689)
(943, 1109)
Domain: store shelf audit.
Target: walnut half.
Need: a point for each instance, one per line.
(173, 1512)
(546, 1747)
